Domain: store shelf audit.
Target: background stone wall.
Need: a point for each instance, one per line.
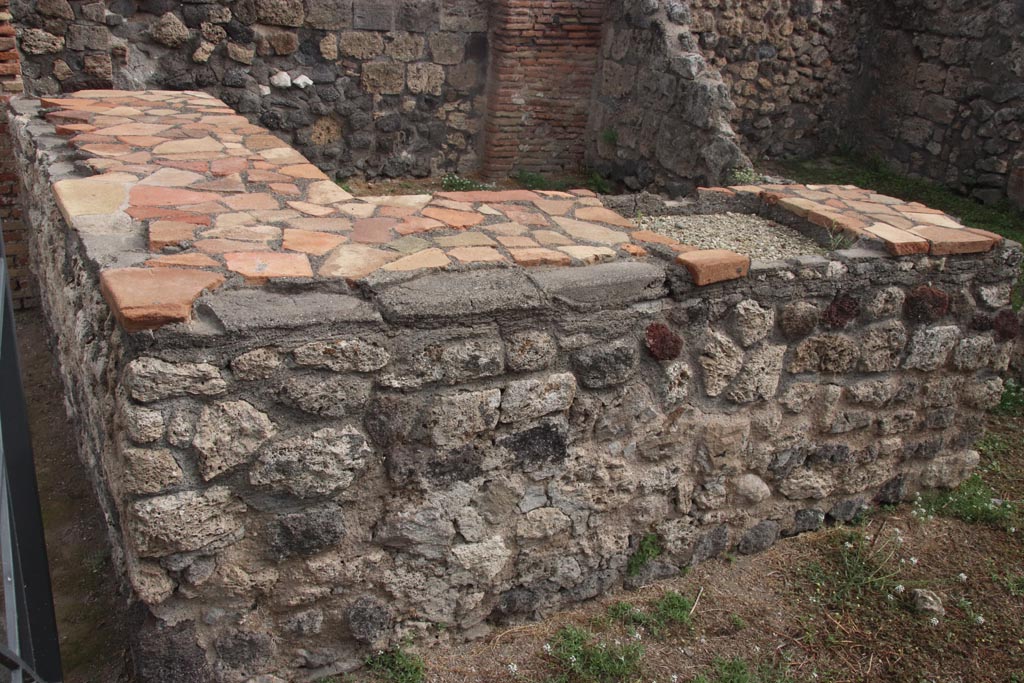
(368, 87)
(660, 116)
(543, 58)
(942, 93)
(789, 66)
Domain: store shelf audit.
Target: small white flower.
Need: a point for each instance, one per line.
(979, 620)
(547, 648)
(637, 636)
(934, 621)
(962, 577)
(512, 668)
(890, 597)
(913, 561)
(674, 679)
(572, 659)
(899, 588)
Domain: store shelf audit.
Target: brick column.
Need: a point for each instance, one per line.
(10, 208)
(544, 55)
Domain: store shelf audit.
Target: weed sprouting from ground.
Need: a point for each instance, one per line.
(736, 670)
(453, 182)
(973, 501)
(856, 569)
(396, 666)
(1011, 403)
(742, 176)
(670, 609)
(579, 657)
(649, 548)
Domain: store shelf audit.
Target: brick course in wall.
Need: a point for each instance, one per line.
(543, 59)
(10, 210)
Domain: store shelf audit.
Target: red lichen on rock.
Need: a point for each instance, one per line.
(926, 304)
(843, 310)
(663, 343)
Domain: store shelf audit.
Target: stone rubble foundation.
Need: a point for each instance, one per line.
(303, 471)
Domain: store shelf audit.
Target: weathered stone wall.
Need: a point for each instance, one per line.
(543, 58)
(789, 66)
(364, 87)
(18, 276)
(299, 476)
(660, 113)
(942, 93)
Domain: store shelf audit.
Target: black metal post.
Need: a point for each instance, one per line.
(33, 646)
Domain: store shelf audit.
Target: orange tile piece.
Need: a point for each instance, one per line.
(169, 233)
(539, 257)
(651, 237)
(453, 218)
(708, 266)
(148, 298)
(490, 196)
(899, 242)
(428, 258)
(949, 241)
(633, 249)
(311, 241)
(476, 254)
(259, 266)
(189, 260)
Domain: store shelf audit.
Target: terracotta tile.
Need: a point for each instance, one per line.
(245, 233)
(898, 242)
(490, 196)
(224, 167)
(144, 213)
(516, 241)
(940, 220)
(409, 244)
(86, 196)
(550, 238)
(506, 229)
(189, 260)
(189, 146)
(554, 207)
(303, 171)
(948, 241)
(169, 233)
(195, 166)
(108, 149)
(354, 261)
(258, 176)
(603, 215)
(519, 215)
(326, 192)
(417, 224)
(309, 209)
(428, 258)
(311, 242)
(252, 201)
(357, 209)
(258, 267)
(588, 254)
(449, 204)
(69, 129)
(452, 218)
(651, 237)
(410, 201)
(148, 298)
(153, 195)
(223, 246)
(145, 129)
(290, 189)
(321, 224)
(476, 255)
(228, 183)
(539, 257)
(581, 192)
(172, 177)
(708, 266)
(798, 206)
(633, 249)
(465, 239)
(591, 232)
(395, 211)
(141, 140)
(373, 230)
(555, 194)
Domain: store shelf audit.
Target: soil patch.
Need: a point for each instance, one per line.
(747, 234)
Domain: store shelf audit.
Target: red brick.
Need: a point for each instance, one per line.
(708, 266)
(148, 298)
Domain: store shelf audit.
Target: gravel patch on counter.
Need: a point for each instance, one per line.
(743, 233)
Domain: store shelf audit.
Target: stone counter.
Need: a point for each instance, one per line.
(301, 464)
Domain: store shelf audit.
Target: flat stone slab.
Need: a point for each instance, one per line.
(220, 203)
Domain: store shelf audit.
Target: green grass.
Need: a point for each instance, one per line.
(649, 548)
(742, 176)
(973, 502)
(670, 609)
(396, 666)
(854, 570)
(871, 174)
(1011, 403)
(591, 180)
(579, 657)
(610, 136)
(736, 670)
(452, 182)
(1013, 583)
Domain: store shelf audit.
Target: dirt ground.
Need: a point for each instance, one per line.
(90, 612)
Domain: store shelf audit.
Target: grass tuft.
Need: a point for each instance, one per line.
(396, 666)
(650, 548)
(736, 670)
(580, 658)
(670, 609)
(973, 502)
(1011, 403)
